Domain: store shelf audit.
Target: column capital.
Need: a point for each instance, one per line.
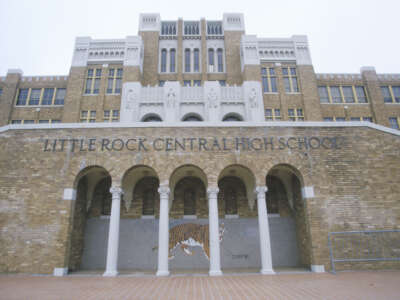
(260, 189)
(116, 191)
(212, 190)
(164, 189)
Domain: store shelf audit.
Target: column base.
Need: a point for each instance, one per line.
(267, 272)
(215, 273)
(162, 273)
(110, 274)
(318, 268)
(60, 272)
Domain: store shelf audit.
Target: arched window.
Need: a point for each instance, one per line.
(164, 60)
(148, 202)
(172, 60)
(189, 202)
(191, 118)
(220, 60)
(211, 60)
(187, 60)
(232, 118)
(196, 60)
(152, 118)
(230, 202)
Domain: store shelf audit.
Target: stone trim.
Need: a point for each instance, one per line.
(318, 268)
(59, 272)
(69, 194)
(307, 192)
(200, 125)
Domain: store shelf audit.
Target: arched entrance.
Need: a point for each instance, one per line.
(240, 247)
(287, 218)
(93, 203)
(188, 220)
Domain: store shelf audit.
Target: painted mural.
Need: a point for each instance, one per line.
(191, 235)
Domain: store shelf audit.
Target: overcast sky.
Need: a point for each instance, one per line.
(38, 36)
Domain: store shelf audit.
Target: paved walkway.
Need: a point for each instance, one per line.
(347, 285)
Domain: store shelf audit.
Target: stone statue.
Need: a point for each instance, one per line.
(171, 98)
(212, 98)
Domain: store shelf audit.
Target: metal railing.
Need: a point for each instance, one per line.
(363, 246)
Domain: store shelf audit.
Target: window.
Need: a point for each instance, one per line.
(387, 97)
(47, 98)
(361, 95)
(192, 83)
(367, 119)
(29, 121)
(172, 60)
(348, 94)
(391, 94)
(44, 121)
(189, 202)
(269, 80)
(56, 121)
(196, 60)
(323, 94)
(296, 114)
(220, 59)
(290, 80)
(337, 119)
(355, 119)
(342, 94)
(114, 82)
(396, 93)
(187, 60)
(210, 60)
(161, 82)
(394, 122)
(93, 81)
(192, 118)
(222, 82)
(272, 114)
(1, 91)
(111, 115)
(22, 96)
(163, 60)
(35, 96)
(16, 122)
(88, 116)
(152, 118)
(60, 95)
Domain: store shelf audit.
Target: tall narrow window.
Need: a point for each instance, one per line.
(220, 60)
(48, 96)
(361, 96)
(290, 80)
(269, 80)
(211, 60)
(172, 60)
(93, 81)
(187, 60)
(387, 97)
(189, 202)
(396, 93)
(22, 96)
(335, 93)
(196, 60)
(35, 97)
(60, 95)
(163, 60)
(114, 83)
(348, 94)
(394, 123)
(323, 94)
(96, 87)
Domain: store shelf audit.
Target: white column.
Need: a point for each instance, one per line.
(113, 233)
(163, 232)
(265, 242)
(215, 264)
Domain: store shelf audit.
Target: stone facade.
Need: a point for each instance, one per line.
(60, 181)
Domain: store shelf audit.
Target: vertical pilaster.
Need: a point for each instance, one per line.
(113, 233)
(163, 232)
(215, 261)
(265, 242)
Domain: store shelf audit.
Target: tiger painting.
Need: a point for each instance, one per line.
(190, 235)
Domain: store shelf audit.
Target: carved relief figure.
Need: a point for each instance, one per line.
(191, 235)
(253, 98)
(212, 98)
(171, 98)
(131, 99)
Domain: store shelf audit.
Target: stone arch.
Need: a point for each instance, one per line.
(192, 117)
(86, 182)
(193, 177)
(135, 182)
(285, 183)
(246, 176)
(151, 117)
(232, 117)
